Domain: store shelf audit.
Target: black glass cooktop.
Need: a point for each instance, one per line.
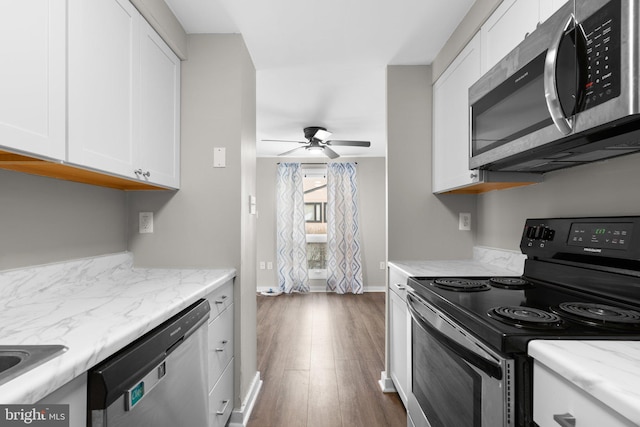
(536, 309)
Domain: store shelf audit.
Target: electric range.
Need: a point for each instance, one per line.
(581, 281)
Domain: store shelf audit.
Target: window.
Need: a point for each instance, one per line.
(315, 202)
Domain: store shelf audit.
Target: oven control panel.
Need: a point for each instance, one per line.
(601, 235)
(606, 236)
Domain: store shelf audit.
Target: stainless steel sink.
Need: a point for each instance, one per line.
(18, 359)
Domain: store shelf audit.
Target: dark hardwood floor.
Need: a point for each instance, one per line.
(320, 357)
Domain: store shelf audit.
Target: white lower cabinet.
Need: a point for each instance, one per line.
(74, 394)
(557, 402)
(221, 355)
(399, 330)
(221, 398)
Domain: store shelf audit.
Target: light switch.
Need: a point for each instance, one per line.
(219, 157)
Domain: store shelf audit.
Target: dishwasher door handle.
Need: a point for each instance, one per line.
(134, 395)
(224, 407)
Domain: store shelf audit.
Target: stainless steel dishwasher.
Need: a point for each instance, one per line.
(159, 380)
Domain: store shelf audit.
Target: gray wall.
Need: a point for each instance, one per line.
(606, 188)
(207, 223)
(421, 226)
(44, 220)
(371, 196)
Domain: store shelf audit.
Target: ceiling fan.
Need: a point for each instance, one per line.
(318, 140)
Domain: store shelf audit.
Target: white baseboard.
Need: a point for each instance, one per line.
(386, 383)
(240, 417)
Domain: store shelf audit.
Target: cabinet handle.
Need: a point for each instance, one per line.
(400, 286)
(565, 420)
(473, 175)
(138, 172)
(219, 349)
(224, 408)
(221, 300)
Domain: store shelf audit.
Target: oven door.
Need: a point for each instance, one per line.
(455, 379)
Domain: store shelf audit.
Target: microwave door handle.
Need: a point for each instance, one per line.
(490, 368)
(550, 85)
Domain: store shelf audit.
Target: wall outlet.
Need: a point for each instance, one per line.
(383, 265)
(269, 265)
(145, 222)
(262, 265)
(464, 221)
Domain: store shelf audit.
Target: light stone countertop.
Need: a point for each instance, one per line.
(485, 262)
(609, 371)
(95, 307)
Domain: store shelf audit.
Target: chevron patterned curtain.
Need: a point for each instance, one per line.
(344, 266)
(291, 240)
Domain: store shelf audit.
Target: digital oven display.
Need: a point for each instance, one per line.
(600, 235)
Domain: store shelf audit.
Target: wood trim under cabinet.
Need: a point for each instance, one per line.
(483, 187)
(60, 170)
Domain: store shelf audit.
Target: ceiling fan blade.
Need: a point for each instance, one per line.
(283, 140)
(349, 143)
(322, 134)
(286, 153)
(330, 153)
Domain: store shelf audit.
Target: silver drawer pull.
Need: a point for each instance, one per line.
(224, 408)
(221, 300)
(565, 420)
(400, 286)
(224, 342)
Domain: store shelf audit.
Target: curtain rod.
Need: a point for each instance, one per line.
(317, 163)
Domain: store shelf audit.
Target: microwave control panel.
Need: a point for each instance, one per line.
(602, 31)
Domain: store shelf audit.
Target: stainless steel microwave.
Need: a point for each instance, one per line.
(567, 95)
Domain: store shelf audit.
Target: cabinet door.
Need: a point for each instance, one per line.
(450, 156)
(549, 7)
(554, 396)
(103, 84)
(32, 77)
(506, 28)
(398, 351)
(159, 147)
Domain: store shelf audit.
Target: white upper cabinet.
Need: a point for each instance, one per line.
(506, 28)
(124, 94)
(451, 120)
(159, 147)
(549, 7)
(32, 77)
(103, 84)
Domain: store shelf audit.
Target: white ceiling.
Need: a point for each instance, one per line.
(323, 62)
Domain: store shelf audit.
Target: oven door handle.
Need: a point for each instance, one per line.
(490, 368)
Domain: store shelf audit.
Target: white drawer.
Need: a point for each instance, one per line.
(398, 282)
(220, 299)
(221, 398)
(555, 396)
(220, 344)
